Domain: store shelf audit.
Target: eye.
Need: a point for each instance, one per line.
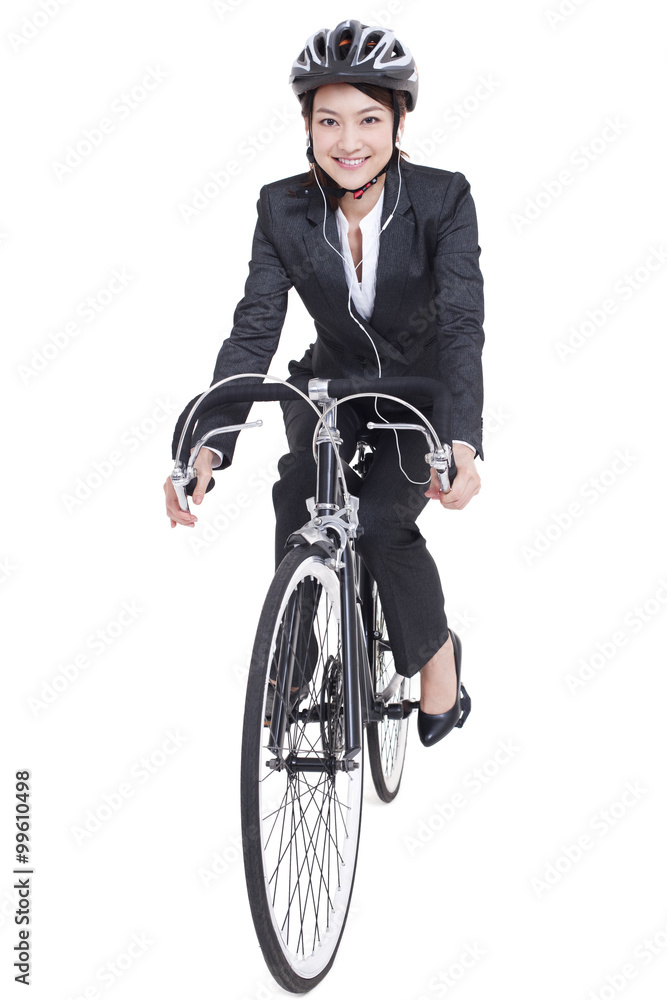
(326, 121)
(371, 118)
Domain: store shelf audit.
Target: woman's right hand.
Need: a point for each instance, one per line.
(204, 472)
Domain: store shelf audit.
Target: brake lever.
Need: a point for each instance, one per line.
(180, 480)
(441, 459)
(183, 474)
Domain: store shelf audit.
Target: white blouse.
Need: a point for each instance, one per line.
(363, 292)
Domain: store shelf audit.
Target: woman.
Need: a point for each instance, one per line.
(384, 255)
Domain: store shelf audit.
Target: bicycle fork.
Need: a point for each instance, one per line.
(354, 734)
(284, 672)
(285, 660)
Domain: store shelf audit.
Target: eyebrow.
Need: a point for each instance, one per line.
(364, 111)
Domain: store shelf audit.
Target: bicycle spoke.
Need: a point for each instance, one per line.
(310, 861)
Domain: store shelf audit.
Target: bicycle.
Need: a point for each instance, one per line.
(321, 673)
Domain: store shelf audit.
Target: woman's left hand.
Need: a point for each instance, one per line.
(466, 484)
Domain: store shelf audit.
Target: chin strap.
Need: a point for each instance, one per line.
(339, 192)
(355, 192)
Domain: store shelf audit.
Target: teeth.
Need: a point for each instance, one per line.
(351, 163)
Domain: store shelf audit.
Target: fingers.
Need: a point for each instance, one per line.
(203, 479)
(204, 473)
(174, 512)
(466, 485)
(434, 491)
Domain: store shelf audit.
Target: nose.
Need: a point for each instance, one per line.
(349, 140)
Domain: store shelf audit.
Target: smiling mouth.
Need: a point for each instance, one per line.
(345, 162)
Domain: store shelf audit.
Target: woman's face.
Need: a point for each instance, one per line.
(352, 134)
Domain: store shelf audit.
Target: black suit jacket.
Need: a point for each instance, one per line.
(428, 312)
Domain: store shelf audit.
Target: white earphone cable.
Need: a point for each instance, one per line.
(349, 298)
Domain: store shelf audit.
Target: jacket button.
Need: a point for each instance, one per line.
(362, 360)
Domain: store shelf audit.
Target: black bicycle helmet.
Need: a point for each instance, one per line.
(355, 53)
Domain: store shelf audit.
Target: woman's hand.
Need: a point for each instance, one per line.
(204, 471)
(466, 484)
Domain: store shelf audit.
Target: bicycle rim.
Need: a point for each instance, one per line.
(300, 827)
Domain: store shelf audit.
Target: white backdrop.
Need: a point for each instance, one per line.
(526, 852)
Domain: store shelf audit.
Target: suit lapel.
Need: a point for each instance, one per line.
(395, 252)
(392, 270)
(326, 265)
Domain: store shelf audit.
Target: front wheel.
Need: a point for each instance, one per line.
(300, 800)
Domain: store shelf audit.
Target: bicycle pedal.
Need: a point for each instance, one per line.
(466, 705)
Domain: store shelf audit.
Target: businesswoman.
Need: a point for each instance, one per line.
(384, 255)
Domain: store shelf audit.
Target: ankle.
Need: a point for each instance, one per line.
(438, 681)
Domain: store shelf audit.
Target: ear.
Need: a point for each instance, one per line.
(401, 128)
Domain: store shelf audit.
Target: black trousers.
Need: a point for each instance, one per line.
(392, 547)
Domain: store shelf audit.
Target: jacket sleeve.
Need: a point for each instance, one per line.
(258, 323)
(459, 303)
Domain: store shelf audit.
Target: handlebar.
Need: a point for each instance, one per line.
(410, 388)
(228, 393)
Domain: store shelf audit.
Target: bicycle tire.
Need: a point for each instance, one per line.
(387, 740)
(299, 882)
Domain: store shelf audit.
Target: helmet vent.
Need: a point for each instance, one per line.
(374, 39)
(321, 45)
(345, 44)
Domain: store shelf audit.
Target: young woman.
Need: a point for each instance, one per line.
(384, 255)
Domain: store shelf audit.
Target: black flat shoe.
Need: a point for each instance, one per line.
(433, 728)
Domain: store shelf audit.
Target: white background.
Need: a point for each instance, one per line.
(532, 600)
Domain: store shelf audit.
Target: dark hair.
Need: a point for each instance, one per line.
(382, 95)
